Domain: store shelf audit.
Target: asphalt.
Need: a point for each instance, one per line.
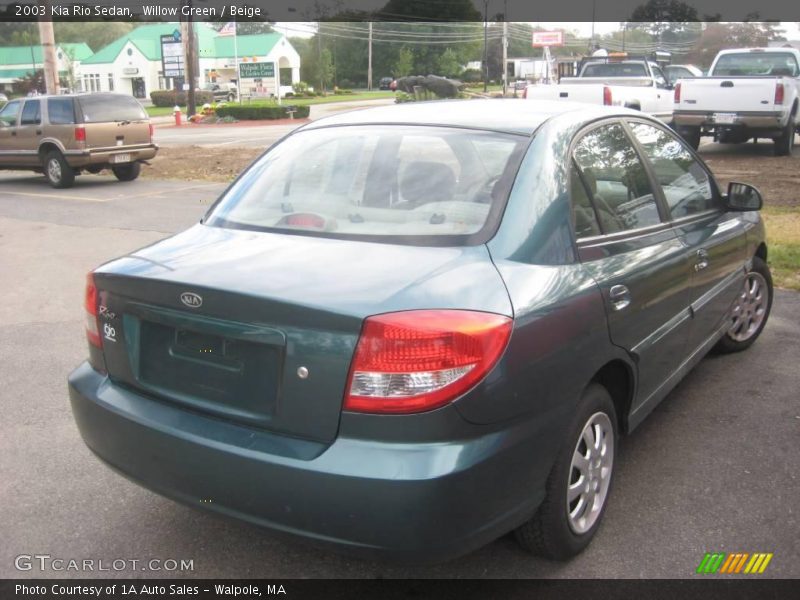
(714, 468)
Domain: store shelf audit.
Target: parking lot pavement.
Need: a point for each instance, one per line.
(714, 468)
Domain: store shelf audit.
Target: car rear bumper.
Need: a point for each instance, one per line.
(762, 121)
(104, 156)
(416, 502)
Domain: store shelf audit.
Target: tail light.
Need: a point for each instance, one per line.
(80, 133)
(151, 132)
(779, 92)
(418, 360)
(606, 95)
(677, 93)
(92, 326)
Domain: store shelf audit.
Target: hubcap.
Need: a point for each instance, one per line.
(54, 169)
(750, 308)
(590, 473)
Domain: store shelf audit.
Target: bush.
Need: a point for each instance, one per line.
(173, 97)
(471, 76)
(255, 112)
(301, 87)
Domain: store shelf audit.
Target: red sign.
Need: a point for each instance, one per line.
(548, 38)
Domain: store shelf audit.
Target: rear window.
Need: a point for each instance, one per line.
(418, 185)
(756, 63)
(104, 108)
(615, 70)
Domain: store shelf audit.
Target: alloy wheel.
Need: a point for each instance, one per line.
(590, 473)
(750, 308)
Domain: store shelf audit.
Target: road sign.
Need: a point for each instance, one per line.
(172, 61)
(547, 38)
(257, 70)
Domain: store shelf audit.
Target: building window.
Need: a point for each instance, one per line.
(110, 82)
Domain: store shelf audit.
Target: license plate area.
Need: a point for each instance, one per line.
(725, 118)
(230, 369)
(120, 158)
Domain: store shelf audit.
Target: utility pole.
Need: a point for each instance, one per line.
(505, 55)
(485, 47)
(369, 60)
(47, 39)
(187, 33)
(319, 57)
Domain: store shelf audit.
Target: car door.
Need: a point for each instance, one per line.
(633, 254)
(9, 116)
(715, 240)
(662, 102)
(29, 132)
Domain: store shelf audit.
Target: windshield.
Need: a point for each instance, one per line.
(757, 63)
(104, 108)
(377, 182)
(626, 69)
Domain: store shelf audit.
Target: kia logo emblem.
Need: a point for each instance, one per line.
(191, 299)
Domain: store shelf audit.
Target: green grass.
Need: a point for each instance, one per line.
(160, 111)
(478, 87)
(783, 240)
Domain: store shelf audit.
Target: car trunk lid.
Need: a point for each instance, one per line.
(260, 328)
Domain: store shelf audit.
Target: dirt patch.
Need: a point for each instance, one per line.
(777, 177)
(193, 163)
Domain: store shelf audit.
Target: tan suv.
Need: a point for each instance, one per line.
(64, 135)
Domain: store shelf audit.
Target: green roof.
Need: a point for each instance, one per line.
(147, 38)
(14, 73)
(21, 55)
(247, 45)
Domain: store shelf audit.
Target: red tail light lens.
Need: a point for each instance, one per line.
(606, 95)
(419, 360)
(779, 93)
(80, 134)
(677, 96)
(92, 329)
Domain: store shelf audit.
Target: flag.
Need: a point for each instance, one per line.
(228, 29)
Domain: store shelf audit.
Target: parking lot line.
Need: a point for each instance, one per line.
(58, 196)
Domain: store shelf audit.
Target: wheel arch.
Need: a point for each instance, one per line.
(618, 378)
(761, 251)
(47, 146)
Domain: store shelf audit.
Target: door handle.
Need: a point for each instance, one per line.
(38, 132)
(13, 134)
(702, 260)
(620, 297)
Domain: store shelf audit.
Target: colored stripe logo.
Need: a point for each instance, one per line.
(734, 563)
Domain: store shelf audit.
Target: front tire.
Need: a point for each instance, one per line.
(691, 136)
(750, 311)
(58, 173)
(127, 172)
(579, 483)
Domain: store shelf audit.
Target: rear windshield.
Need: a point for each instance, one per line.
(413, 184)
(615, 70)
(104, 108)
(757, 63)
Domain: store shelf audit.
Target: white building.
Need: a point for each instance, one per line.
(133, 63)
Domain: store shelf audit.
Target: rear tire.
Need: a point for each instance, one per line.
(563, 527)
(691, 136)
(751, 310)
(784, 145)
(58, 173)
(127, 172)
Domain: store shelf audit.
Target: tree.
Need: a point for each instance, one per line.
(96, 34)
(718, 36)
(451, 10)
(448, 64)
(666, 20)
(405, 63)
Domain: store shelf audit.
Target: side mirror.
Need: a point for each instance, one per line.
(743, 197)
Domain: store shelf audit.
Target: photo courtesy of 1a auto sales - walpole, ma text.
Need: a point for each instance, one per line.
(387, 299)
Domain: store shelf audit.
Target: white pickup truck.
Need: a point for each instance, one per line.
(749, 94)
(636, 84)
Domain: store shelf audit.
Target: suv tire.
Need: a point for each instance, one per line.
(58, 173)
(127, 172)
(785, 143)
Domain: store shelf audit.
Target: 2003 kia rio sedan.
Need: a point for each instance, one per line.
(409, 330)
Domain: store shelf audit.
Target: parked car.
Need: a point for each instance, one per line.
(408, 330)
(3, 98)
(675, 72)
(632, 83)
(64, 135)
(225, 92)
(385, 83)
(749, 94)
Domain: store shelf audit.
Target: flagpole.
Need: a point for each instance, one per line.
(236, 63)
